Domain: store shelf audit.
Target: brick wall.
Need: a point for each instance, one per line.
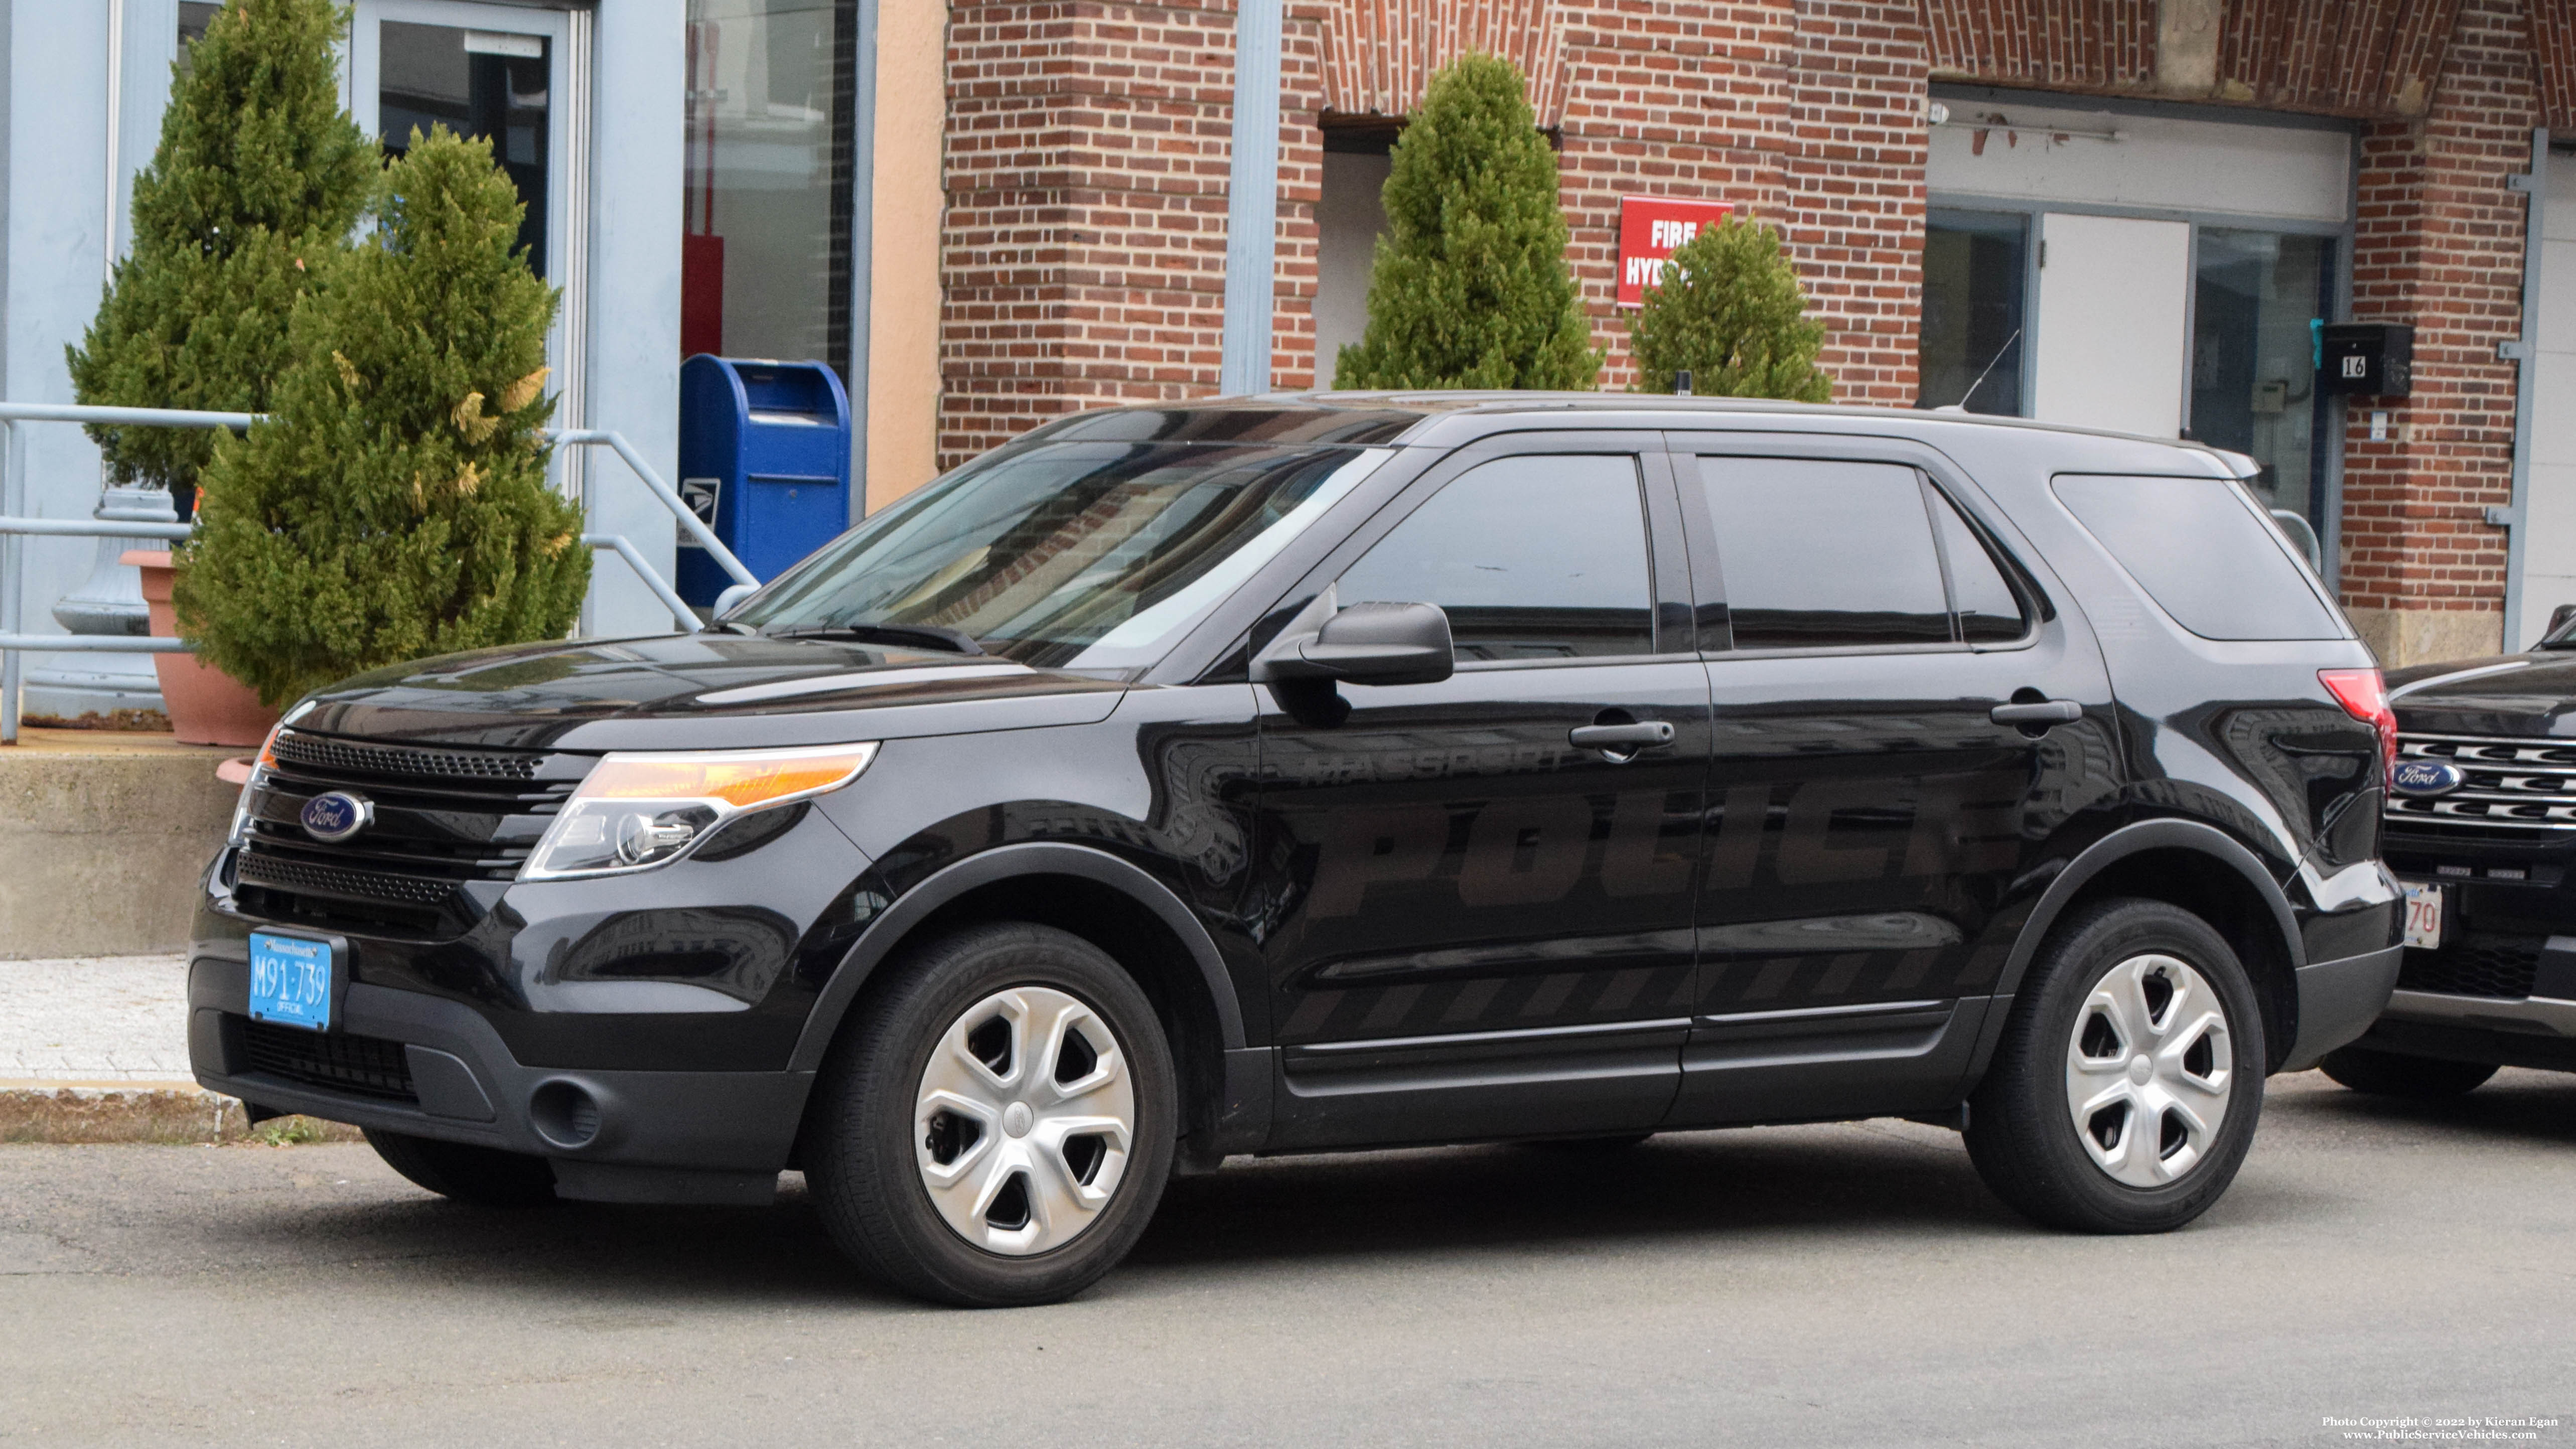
(1854, 203)
(2439, 242)
(1084, 250)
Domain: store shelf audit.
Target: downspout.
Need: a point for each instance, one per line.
(2524, 353)
(1252, 202)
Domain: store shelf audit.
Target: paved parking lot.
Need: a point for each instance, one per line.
(1818, 1285)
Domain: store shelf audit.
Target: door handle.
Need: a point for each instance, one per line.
(1621, 740)
(2045, 712)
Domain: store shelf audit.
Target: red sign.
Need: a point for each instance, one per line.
(1651, 229)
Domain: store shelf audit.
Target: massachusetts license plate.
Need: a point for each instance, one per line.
(2424, 916)
(290, 980)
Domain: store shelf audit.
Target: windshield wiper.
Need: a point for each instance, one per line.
(932, 636)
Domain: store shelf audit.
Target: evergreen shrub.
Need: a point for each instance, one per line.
(1470, 288)
(395, 504)
(248, 203)
(1730, 310)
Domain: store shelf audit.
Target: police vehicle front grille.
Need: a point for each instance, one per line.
(363, 1066)
(262, 868)
(351, 758)
(2499, 967)
(2514, 787)
(444, 817)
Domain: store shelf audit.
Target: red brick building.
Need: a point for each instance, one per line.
(2121, 212)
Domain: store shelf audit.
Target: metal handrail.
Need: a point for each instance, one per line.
(14, 642)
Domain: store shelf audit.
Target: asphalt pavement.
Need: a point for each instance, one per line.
(1848, 1284)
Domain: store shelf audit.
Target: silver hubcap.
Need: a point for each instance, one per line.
(1023, 1121)
(2149, 1069)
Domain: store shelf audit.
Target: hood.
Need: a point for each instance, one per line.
(2530, 694)
(700, 691)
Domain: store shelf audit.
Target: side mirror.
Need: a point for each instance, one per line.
(1374, 643)
(2558, 618)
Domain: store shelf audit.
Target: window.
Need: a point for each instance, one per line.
(2206, 557)
(1539, 557)
(769, 141)
(487, 84)
(1822, 554)
(1087, 555)
(1972, 342)
(1989, 612)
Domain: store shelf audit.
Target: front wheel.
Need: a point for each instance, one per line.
(2387, 1074)
(2125, 1091)
(997, 1124)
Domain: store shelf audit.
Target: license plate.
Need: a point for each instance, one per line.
(291, 980)
(2424, 916)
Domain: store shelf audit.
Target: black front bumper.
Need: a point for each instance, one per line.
(657, 1136)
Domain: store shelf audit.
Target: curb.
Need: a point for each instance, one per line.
(142, 1114)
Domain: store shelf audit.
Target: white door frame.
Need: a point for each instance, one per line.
(568, 199)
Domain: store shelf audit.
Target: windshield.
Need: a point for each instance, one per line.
(1085, 555)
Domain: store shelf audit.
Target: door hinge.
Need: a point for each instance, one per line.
(2521, 181)
(2502, 518)
(2514, 350)
(2043, 254)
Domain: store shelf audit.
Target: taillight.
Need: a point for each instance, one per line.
(2364, 696)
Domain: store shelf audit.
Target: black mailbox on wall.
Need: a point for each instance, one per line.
(2367, 359)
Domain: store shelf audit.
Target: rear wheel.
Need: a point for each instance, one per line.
(2387, 1074)
(485, 1176)
(2126, 1088)
(997, 1124)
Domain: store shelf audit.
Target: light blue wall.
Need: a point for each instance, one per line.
(58, 229)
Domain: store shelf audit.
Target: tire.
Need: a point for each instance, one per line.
(2054, 1128)
(2388, 1074)
(934, 1103)
(484, 1176)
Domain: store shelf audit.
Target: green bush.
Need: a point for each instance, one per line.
(1470, 289)
(1731, 311)
(395, 504)
(248, 202)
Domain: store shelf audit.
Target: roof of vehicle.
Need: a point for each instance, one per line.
(1448, 418)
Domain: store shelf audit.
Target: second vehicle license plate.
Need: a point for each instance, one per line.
(2424, 916)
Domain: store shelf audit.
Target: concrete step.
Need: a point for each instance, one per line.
(103, 837)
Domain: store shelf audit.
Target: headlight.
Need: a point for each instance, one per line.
(637, 811)
(259, 769)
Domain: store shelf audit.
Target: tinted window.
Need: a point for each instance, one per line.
(1988, 612)
(1819, 553)
(1539, 557)
(2202, 553)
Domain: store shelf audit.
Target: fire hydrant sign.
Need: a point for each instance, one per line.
(1651, 229)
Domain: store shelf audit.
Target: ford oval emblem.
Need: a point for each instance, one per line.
(336, 816)
(2427, 777)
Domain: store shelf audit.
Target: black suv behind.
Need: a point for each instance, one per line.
(1341, 772)
(2481, 830)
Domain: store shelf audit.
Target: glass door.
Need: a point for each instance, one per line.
(515, 76)
(2259, 298)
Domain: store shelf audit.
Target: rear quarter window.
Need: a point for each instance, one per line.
(2202, 552)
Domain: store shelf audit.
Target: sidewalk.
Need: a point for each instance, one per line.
(95, 1049)
(94, 1021)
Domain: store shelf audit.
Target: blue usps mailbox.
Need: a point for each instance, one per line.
(765, 460)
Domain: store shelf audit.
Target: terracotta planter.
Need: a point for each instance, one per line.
(206, 705)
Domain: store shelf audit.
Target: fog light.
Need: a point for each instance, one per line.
(564, 1114)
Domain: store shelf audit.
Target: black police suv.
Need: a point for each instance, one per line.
(2481, 832)
(1347, 771)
